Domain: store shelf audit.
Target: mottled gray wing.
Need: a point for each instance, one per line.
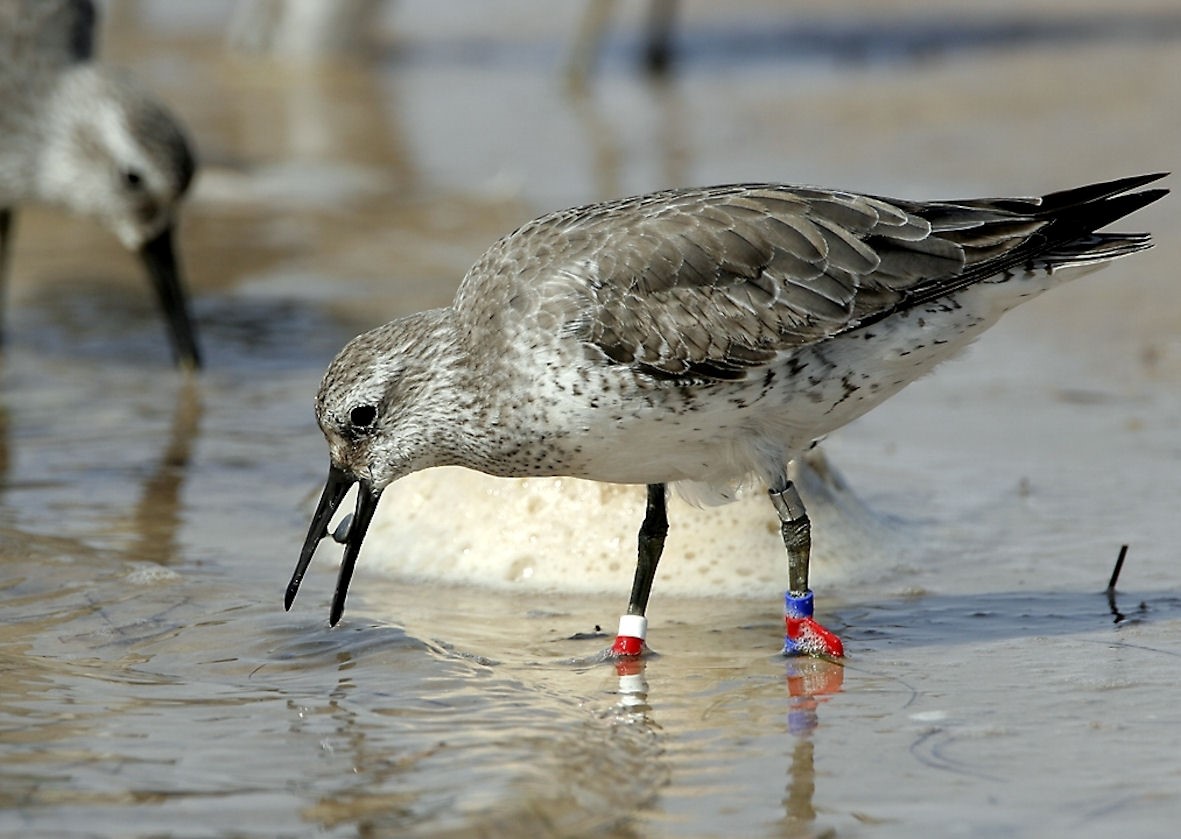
(41, 35)
(710, 283)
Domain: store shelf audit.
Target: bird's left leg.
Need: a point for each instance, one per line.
(5, 242)
(803, 635)
(633, 627)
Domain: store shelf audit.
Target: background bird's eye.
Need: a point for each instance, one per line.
(132, 178)
(363, 416)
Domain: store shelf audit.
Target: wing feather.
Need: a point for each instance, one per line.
(710, 283)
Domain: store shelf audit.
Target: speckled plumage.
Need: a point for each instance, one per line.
(698, 335)
(76, 134)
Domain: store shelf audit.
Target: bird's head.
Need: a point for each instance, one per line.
(114, 153)
(383, 412)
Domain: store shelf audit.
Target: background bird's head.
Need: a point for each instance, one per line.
(114, 153)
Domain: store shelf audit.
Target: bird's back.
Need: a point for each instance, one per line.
(705, 333)
(38, 40)
(711, 283)
(39, 36)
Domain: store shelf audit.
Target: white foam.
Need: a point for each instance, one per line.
(563, 534)
(152, 574)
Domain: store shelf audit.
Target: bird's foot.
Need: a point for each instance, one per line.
(629, 642)
(807, 637)
(804, 636)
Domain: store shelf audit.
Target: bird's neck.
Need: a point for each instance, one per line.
(57, 133)
(69, 131)
(435, 358)
(463, 418)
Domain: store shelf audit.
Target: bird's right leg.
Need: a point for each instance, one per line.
(803, 635)
(633, 627)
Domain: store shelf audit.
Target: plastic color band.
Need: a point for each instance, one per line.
(804, 635)
(633, 629)
(801, 606)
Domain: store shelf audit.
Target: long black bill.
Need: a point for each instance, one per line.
(337, 485)
(160, 260)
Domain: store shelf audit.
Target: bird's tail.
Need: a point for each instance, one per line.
(1077, 213)
(1097, 249)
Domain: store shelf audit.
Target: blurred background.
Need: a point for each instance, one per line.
(355, 159)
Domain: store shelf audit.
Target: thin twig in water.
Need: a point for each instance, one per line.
(1119, 565)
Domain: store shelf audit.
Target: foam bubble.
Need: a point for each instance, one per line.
(151, 574)
(563, 534)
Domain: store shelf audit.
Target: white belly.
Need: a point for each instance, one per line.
(718, 433)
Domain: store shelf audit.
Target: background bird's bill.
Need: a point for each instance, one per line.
(160, 260)
(335, 488)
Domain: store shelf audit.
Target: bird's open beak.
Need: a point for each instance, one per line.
(160, 260)
(335, 488)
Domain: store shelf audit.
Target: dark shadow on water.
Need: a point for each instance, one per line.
(800, 39)
(314, 645)
(948, 620)
(901, 39)
(273, 334)
(98, 322)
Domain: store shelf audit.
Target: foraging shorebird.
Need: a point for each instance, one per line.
(76, 134)
(695, 336)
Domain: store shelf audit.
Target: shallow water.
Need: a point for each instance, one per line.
(153, 685)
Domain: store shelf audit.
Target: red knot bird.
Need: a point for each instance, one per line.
(76, 134)
(703, 337)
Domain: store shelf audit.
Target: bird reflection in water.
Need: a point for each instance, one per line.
(810, 683)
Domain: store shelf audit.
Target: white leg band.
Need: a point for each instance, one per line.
(633, 626)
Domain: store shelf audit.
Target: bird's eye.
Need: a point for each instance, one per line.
(132, 179)
(363, 416)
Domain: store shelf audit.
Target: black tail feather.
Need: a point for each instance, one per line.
(1055, 202)
(1064, 233)
(1077, 219)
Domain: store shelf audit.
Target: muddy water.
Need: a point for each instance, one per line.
(152, 684)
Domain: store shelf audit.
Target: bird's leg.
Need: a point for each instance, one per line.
(633, 627)
(5, 243)
(658, 47)
(803, 635)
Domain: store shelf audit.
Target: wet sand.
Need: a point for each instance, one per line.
(154, 686)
